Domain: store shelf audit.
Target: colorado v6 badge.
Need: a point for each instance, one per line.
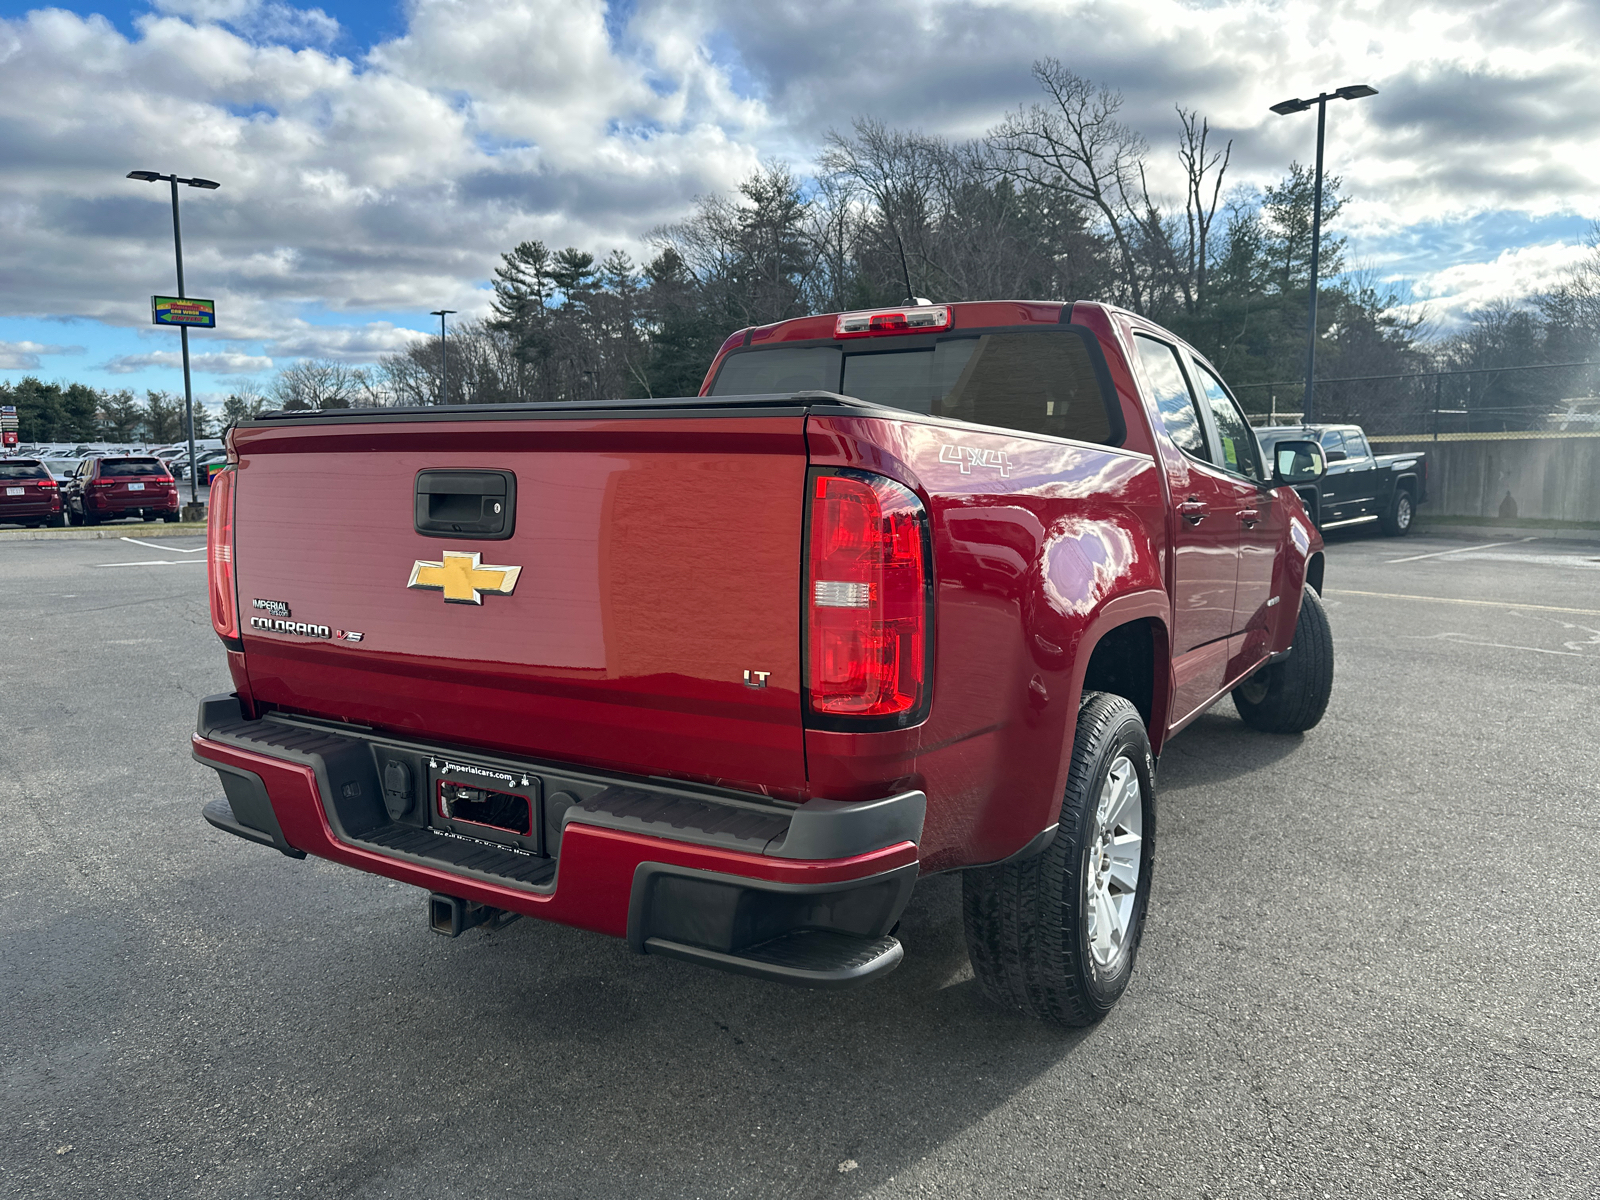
(462, 578)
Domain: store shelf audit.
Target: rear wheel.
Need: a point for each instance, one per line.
(1396, 520)
(1291, 696)
(57, 520)
(170, 517)
(1055, 935)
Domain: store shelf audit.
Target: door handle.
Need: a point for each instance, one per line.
(1249, 517)
(1192, 511)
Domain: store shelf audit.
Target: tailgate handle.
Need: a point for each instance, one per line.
(454, 503)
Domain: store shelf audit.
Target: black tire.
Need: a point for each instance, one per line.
(1291, 696)
(170, 517)
(1397, 518)
(1027, 923)
(57, 520)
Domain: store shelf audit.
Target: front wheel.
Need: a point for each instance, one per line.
(1055, 935)
(1396, 520)
(1291, 696)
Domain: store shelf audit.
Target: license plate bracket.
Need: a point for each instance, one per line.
(486, 804)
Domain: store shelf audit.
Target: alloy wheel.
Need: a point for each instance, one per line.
(1116, 847)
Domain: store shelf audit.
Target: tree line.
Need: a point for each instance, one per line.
(1055, 201)
(75, 412)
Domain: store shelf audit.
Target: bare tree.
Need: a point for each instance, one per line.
(1200, 210)
(896, 171)
(316, 383)
(1074, 145)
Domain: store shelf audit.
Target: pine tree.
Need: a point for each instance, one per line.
(523, 289)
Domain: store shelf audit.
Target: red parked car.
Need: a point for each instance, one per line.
(28, 493)
(107, 489)
(904, 591)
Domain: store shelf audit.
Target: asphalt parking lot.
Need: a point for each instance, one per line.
(1370, 967)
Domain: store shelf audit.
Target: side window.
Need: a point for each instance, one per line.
(1355, 444)
(1179, 415)
(1333, 443)
(1237, 451)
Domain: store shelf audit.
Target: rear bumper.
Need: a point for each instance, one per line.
(728, 880)
(29, 509)
(165, 499)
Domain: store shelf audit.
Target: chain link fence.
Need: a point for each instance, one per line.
(1485, 402)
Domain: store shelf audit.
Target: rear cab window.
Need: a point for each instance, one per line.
(119, 468)
(1043, 381)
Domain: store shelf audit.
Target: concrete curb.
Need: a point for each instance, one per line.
(156, 529)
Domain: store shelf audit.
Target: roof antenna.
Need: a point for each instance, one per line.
(905, 273)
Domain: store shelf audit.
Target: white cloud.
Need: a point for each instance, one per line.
(263, 22)
(346, 343)
(220, 362)
(392, 183)
(1449, 294)
(24, 356)
(389, 186)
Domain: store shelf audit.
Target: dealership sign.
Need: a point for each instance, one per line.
(8, 424)
(177, 310)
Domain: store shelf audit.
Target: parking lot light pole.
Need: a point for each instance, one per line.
(444, 377)
(1283, 108)
(183, 331)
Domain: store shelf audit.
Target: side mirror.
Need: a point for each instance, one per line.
(1337, 456)
(1297, 462)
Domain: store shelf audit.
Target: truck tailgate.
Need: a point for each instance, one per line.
(659, 557)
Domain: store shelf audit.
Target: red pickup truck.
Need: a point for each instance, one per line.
(903, 591)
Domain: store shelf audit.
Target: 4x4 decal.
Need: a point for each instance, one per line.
(967, 457)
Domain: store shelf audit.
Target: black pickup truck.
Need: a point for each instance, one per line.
(1359, 485)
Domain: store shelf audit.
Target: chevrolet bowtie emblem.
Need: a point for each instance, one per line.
(462, 579)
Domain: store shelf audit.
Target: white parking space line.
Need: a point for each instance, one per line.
(168, 549)
(1585, 612)
(1572, 562)
(1460, 550)
(1461, 639)
(157, 562)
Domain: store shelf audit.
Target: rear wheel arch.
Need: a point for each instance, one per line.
(1129, 658)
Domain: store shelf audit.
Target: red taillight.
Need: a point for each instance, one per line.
(46, 483)
(219, 557)
(928, 318)
(107, 482)
(867, 599)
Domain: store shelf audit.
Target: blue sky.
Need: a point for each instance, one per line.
(377, 158)
(361, 25)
